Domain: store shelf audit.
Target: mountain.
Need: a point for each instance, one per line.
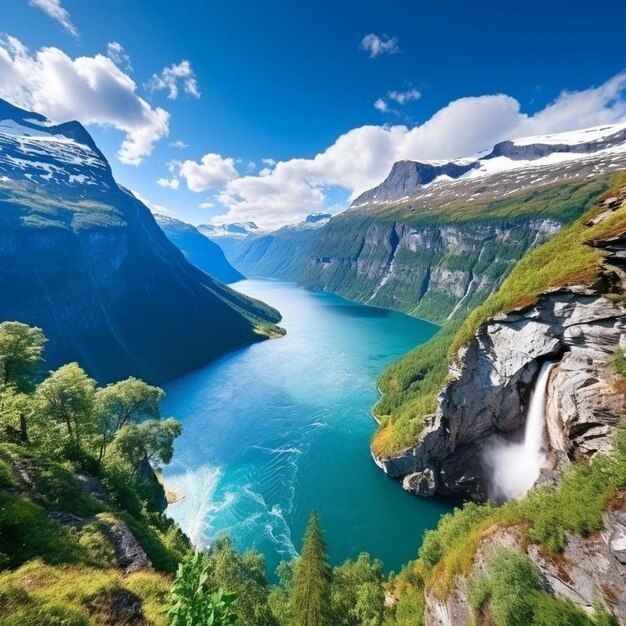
(519, 161)
(198, 249)
(279, 254)
(227, 236)
(84, 259)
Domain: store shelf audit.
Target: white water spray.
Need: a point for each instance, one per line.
(516, 466)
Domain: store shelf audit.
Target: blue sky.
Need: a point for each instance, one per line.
(284, 80)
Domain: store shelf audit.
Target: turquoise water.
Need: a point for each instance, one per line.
(282, 427)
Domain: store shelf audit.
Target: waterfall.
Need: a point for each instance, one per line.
(534, 433)
(515, 467)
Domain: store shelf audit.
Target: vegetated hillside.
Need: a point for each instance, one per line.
(555, 556)
(198, 249)
(410, 387)
(279, 254)
(85, 260)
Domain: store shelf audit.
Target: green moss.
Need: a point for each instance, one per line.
(27, 532)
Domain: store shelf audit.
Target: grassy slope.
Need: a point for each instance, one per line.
(67, 574)
(547, 513)
(410, 386)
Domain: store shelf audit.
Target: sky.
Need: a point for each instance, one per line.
(218, 112)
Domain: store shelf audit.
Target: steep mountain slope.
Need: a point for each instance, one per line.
(198, 249)
(85, 260)
(435, 239)
(276, 254)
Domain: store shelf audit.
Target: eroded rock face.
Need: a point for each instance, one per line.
(430, 271)
(591, 570)
(492, 380)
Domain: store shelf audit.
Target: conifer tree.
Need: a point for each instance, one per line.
(310, 598)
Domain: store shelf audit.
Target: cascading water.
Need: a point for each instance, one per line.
(516, 466)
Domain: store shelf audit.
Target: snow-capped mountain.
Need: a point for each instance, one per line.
(238, 230)
(509, 166)
(83, 259)
(51, 155)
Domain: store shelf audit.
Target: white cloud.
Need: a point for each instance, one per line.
(178, 144)
(381, 105)
(402, 97)
(169, 183)
(54, 9)
(172, 78)
(117, 54)
(362, 157)
(206, 205)
(399, 97)
(213, 170)
(91, 89)
(269, 162)
(375, 45)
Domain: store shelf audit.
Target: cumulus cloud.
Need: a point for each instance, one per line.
(169, 183)
(211, 171)
(362, 157)
(173, 78)
(91, 89)
(381, 105)
(375, 45)
(117, 54)
(55, 10)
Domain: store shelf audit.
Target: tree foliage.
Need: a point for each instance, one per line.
(194, 601)
(310, 598)
(21, 354)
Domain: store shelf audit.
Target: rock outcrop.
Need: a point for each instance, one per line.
(590, 570)
(490, 384)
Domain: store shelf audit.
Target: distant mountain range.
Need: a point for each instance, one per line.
(198, 249)
(280, 253)
(85, 260)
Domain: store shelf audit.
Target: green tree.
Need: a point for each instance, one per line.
(21, 350)
(67, 397)
(244, 575)
(151, 441)
(358, 598)
(127, 401)
(278, 599)
(310, 597)
(194, 602)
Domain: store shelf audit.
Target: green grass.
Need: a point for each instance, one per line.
(410, 386)
(37, 594)
(544, 516)
(510, 593)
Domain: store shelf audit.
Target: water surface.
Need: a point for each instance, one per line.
(282, 427)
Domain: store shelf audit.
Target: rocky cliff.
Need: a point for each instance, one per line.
(431, 271)
(487, 395)
(591, 570)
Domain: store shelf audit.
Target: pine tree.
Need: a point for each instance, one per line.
(310, 596)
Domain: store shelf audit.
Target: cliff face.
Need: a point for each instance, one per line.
(84, 260)
(431, 271)
(589, 569)
(491, 381)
